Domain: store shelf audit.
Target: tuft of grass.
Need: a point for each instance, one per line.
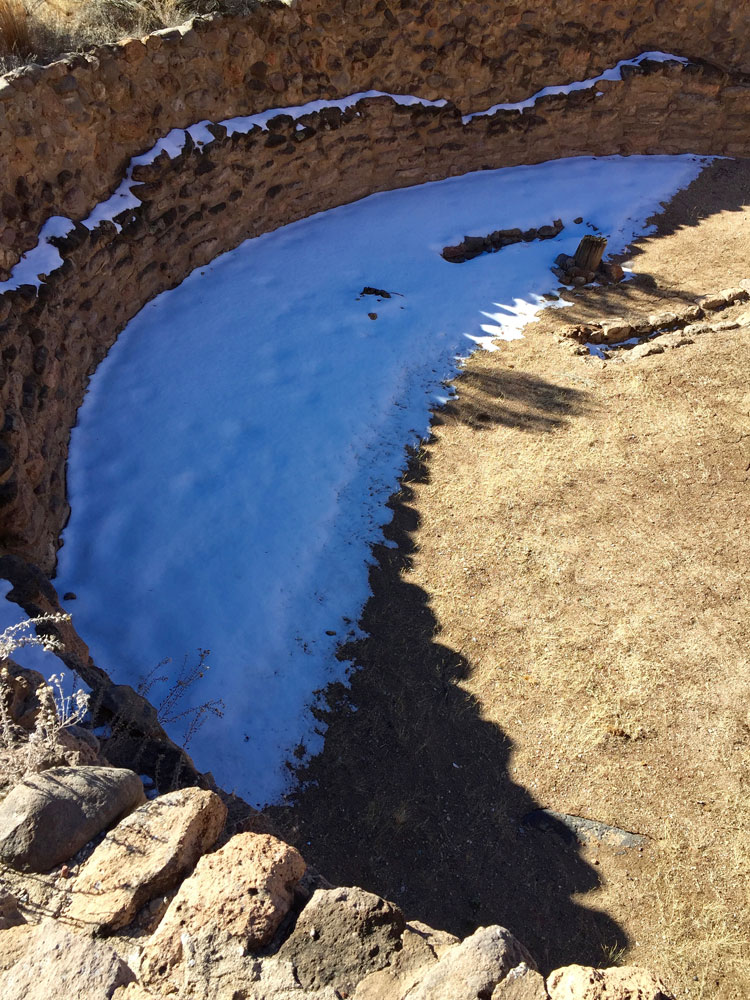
(42, 30)
(15, 29)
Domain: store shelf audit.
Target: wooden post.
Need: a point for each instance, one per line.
(590, 252)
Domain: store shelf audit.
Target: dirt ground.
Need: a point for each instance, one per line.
(565, 625)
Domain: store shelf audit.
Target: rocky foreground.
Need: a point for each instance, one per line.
(105, 893)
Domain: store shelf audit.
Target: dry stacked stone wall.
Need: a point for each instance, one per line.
(72, 127)
(69, 128)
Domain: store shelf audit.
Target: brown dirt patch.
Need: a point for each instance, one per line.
(565, 624)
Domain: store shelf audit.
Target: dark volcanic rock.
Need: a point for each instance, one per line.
(342, 936)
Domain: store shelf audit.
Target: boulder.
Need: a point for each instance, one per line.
(48, 817)
(55, 962)
(20, 693)
(521, 983)
(472, 969)
(233, 902)
(341, 936)
(145, 856)
(580, 982)
(421, 948)
(10, 915)
(616, 330)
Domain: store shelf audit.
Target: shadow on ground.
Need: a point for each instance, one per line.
(411, 797)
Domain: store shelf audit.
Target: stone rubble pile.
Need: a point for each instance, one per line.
(659, 331)
(568, 272)
(168, 903)
(472, 246)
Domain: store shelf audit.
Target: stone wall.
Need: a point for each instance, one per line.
(208, 200)
(69, 128)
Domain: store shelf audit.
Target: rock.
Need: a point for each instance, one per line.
(616, 330)
(474, 244)
(576, 828)
(54, 961)
(83, 735)
(421, 948)
(580, 982)
(645, 350)
(660, 321)
(145, 856)
(521, 983)
(73, 749)
(10, 915)
(677, 339)
(693, 329)
(726, 324)
(341, 936)
(473, 968)
(234, 901)
(688, 313)
(438, 941)
(19, 692)
(717, 300)
(612, 271)
(737, 294)
(454, 255)
(50, 816)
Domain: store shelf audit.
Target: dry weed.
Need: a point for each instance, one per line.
(15, 33)
(22, 752)
(41, 30)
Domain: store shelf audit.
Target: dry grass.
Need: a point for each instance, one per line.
(566, 624)
(15, 33)
(41, 30)
(24, 751)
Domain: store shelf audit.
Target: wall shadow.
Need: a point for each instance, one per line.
(411, 797)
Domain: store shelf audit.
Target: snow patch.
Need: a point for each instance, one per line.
(615, 73)
(233, 457)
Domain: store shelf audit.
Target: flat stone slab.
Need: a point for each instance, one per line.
(585, 831)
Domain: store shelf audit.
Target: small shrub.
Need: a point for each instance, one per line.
(169, 710)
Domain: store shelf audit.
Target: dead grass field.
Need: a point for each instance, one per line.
(565, 624)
